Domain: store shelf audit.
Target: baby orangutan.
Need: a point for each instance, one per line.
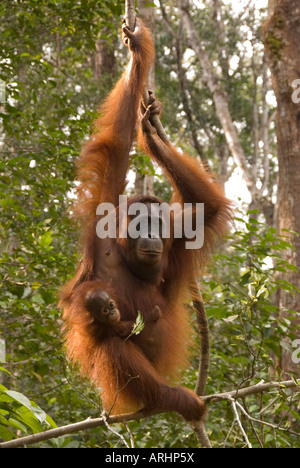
(104, 311)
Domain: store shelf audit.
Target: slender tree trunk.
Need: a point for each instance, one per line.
(219, 25)
(282, 39)
(220, 97)
(210, 77)
(105, 60)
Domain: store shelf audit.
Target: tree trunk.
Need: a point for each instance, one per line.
(220, 97)
(281, 40)
(105, 60)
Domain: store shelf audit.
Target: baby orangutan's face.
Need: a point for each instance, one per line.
(101, 306)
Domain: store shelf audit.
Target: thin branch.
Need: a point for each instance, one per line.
(130, 20)
(252, 425)
(204, 357)
(130, 14)
(258, 388)
(236, 404)
(242, 15)
(259, 421)
(113, 431)
(93, 423)
(71, 428)
(237, 418)
(155, 120)
(130, 435)
(228, 434)
(203, 328)
(264, 423)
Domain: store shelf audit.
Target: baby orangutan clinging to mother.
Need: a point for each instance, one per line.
(103, 310)
(119, 277)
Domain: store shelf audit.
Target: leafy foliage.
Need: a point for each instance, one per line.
(247, 331)
(17, 412)
(52, 93)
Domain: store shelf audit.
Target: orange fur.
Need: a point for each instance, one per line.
(104, 160)
(134, 373)
(192, 183)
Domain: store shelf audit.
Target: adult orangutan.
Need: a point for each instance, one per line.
(119, 277)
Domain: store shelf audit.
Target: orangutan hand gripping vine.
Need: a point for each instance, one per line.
(118, 277)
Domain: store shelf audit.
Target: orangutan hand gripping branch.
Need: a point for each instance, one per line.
(119, 277)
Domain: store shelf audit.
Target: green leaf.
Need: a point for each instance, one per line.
(231, 318)
(22, 399)
(138, 325)
(34, 410)
(13, 422)
(28, 418)
(267, 408)
(46, 240)
(5, 433)
(238, 290)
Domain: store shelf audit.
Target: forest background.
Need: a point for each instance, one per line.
(229, 91)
